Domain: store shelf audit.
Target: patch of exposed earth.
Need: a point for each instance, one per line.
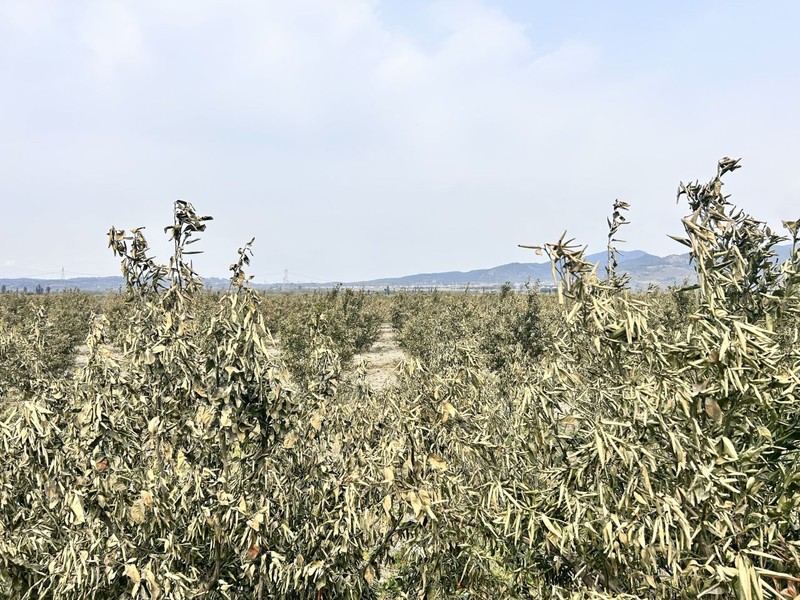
(82, 354)
(382, 359)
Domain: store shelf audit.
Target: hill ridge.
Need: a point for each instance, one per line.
(643, 268)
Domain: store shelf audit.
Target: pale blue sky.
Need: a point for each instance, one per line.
(360, 139)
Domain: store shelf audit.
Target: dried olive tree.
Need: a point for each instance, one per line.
(664, 467)
(591, 444)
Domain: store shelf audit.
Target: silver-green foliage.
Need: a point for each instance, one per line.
(659, 465)
(599, 443)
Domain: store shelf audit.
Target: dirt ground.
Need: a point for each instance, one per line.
(382, 359)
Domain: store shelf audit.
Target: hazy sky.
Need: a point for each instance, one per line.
(357, 139)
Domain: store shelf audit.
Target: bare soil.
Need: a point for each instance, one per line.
(382, 359)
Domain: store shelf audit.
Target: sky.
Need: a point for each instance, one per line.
(358, 139)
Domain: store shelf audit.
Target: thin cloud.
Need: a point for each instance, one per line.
(353, 147)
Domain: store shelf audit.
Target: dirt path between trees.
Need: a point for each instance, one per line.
(382, 359)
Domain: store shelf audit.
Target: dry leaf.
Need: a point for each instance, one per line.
(387, 504)
(132, 573)
(388, 474)
(713, 410)
(253, 551)
(137, 512)
(437, 463)
(316, 421)
(77, 509)
(147, 498)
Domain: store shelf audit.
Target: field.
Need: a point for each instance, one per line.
(169, 442)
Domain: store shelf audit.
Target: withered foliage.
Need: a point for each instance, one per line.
(597, 443)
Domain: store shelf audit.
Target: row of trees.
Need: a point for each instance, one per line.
(598, 443)
(38, 290)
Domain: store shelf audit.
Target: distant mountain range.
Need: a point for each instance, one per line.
(644, 269)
